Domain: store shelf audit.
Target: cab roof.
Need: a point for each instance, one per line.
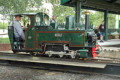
(27, 14)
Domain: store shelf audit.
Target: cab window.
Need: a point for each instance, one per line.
(38, 20)
(46, 20)
(25, 21)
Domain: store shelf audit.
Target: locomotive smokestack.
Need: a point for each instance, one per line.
(87, 19)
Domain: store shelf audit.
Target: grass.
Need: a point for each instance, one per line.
(4, 41)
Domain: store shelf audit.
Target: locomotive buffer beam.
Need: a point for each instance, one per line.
(59, 64)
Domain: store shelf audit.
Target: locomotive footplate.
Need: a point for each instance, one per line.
(60, 64)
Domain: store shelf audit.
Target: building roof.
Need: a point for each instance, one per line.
(112, 6)
(27, 14)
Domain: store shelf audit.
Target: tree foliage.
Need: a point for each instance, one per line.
(19, 6)
(97, 18)
(3, 25)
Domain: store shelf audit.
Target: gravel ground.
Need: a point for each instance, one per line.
(19, 73)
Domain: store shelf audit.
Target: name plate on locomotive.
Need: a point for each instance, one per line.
(58, 35)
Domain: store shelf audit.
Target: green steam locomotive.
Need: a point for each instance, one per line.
(46, 38)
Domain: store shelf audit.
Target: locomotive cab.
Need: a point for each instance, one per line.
(18, 45)
(29, 22)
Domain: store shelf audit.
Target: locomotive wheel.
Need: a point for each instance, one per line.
(32, 54)
(77, 57)
(50, 55)
(72, 57)
(61, 56)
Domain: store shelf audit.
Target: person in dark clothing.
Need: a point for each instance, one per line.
(97, 33)
(102, 31)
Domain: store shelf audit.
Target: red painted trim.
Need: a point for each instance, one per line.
(60, 32)
(93, 51)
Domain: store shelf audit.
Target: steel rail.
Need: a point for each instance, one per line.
(95, 60)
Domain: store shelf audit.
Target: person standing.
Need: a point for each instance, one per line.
(97, 33)
(102, 31)
(53, 20)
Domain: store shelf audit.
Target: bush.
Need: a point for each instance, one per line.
(5, 25)
(4, 40)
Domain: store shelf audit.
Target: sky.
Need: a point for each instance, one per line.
(48, 7)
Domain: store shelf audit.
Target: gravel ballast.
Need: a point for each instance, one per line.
(20, 73)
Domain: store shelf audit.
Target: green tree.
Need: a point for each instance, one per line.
(8, 7)
(61, 11)
(97, 18)
(18, 6)
(5, 25)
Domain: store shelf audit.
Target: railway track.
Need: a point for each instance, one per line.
(98, 65)
(95, 60)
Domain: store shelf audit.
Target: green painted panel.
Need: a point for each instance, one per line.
(30, 35)
(29, 38)
(73, 38)
(64, 1)
(83, 53)
(10, 34)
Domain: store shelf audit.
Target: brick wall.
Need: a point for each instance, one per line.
(5, 47)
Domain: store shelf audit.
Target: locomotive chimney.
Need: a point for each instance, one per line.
(78, 11)
(87, 19)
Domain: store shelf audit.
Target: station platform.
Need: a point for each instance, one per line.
(112, 42)
(110, 49)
